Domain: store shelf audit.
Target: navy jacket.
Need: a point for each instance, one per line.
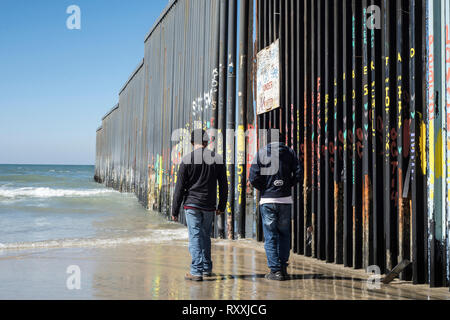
(197, 183)
(275, 178)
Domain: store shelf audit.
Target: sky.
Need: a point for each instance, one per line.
(56, 84)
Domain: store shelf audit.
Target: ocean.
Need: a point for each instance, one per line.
(48, 206)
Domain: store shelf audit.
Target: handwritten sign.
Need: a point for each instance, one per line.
(268, 78)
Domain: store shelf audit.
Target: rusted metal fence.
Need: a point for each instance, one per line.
(365, 103)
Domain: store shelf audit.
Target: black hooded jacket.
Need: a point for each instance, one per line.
(275, 175)
(197, 183)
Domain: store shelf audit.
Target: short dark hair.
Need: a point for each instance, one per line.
(199, 134)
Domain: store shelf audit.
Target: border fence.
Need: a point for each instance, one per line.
(364, 100)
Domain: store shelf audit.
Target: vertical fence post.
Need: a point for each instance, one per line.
(319, 136)
(358, 147)
(215, 90)
(440, 173)
(348, 136)
(337, 146)
(430, 140)
(242, 115)
(221, 118)
(447, 143)
(328, 122)
(300, 85)
(231, 115)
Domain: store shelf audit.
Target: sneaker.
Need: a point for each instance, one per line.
(207, 274)
(191, 277)
(275, 276)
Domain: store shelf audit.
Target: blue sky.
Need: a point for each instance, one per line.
(55, 83)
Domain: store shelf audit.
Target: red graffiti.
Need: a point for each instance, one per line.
(341, 142)
(359, 143)
(380, 124)
(394, 192)
(359, 149)
(331, 148)
(393, 144)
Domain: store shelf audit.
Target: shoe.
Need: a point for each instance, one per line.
(190, 277)
(207, 274)
(275, 276)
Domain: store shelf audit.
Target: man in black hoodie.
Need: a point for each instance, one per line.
(275, 170)
(197, 179)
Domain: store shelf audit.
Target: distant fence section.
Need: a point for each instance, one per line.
(364, 100)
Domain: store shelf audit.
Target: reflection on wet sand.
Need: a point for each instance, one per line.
(157, 272)
(239, 272)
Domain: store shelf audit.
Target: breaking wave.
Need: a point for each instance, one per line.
(51, 193)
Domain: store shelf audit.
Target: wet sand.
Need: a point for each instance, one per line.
(156, 272)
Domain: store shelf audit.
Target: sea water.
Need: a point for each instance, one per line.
(47, 206)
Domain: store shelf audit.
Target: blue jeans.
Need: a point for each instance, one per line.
(199, 227)
(276, 219)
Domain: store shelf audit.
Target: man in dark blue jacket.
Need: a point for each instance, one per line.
(198, 176)
(275, 170)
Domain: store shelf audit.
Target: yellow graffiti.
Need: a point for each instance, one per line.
(448, 173)
(431, 160)
(388, 99)
(240, 180)
(241, 145)
(160, 172)
(423, 145)
(439, 163)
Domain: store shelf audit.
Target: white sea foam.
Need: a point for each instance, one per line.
(158, 236)
(50, 193)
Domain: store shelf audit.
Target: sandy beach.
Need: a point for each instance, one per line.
(156, 272)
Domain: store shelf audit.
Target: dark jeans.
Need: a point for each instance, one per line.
(199, 227)
(276, 219)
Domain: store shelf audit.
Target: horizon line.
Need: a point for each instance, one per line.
(43, 164)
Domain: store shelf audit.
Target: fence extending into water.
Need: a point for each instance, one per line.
(364, 101)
